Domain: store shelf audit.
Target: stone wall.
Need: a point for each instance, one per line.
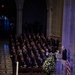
(57, 17)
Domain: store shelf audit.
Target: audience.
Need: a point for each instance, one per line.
(31, 50)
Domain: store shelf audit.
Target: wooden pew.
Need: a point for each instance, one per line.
(26, 70)
(32, 74)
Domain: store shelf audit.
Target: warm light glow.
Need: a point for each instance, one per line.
(2, 6)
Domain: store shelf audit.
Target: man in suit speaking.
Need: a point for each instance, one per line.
(64, 53)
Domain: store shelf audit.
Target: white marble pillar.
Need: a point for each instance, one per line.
(68, 31)
(73, 35)
(66, 23)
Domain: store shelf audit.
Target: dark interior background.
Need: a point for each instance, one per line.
(7, 17)
(34, 16)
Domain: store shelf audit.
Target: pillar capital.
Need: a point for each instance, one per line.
(49, 4)
(19, 4)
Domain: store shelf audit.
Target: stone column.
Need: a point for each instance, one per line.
(68, 31)
(19, 21)
(73, 34)
(19, 4)
(49, 18)
(66, 23)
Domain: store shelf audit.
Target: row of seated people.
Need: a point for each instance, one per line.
(31, 50)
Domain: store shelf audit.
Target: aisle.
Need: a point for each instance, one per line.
(5, 60)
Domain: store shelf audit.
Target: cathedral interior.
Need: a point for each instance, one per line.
(30, 30)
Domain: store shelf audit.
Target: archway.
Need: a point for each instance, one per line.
(34, 16)
(7, 17)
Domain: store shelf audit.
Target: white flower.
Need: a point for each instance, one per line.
(49, 64)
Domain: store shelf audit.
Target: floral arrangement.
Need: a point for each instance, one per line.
(49, 65)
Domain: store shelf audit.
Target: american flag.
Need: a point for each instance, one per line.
(68, 63)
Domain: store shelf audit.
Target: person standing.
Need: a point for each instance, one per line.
(64, 53)
(64, 59)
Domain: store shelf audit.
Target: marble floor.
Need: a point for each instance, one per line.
(5, 60)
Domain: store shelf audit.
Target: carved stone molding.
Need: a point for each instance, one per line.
(49, 4)
(19, 4)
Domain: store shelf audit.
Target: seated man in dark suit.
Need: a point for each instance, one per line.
(29, 62)
(22, 62)
(64, 53)
(34, 62)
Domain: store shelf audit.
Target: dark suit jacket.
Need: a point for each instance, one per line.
(64, 54)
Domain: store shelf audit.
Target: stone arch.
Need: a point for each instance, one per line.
(20, 26)
(36, 17)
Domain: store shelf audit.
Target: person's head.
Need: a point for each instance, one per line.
(63, 48)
